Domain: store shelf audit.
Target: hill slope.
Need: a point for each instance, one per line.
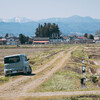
(67, 25)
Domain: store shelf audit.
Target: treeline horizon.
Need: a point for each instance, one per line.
(50, 30)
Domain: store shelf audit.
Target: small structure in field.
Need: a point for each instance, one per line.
(41, 40)
(81, 40)
(3, 41)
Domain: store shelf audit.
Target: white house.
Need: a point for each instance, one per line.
(12, 40)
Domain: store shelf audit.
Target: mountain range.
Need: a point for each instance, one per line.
(16, 20)
(71, 25)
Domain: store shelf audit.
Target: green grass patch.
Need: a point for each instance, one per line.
(4, 79)
(1, 65)
(61, 81)
(69, 77)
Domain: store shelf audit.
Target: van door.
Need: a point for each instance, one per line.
(26, 61)
(26, 65)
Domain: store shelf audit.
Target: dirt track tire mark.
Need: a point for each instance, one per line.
(34, 84)
(75, 93)
(16, 85)
(39, 81)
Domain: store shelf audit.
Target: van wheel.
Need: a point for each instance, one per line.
(6, 75)
(30, 70)
(26, 71)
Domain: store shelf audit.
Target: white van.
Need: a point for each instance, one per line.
(16, 64)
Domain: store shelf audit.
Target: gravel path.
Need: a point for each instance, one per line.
(48, 94)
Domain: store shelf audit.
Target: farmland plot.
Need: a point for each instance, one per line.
(37, 55)
(28, 51)
(69, 77)
(57, 73)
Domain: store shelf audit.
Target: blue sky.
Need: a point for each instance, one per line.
(41, 9)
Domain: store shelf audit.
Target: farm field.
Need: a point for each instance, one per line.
(69, 77)
(37, 54)
(57, 73)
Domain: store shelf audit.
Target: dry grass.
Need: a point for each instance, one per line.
(28, 51)
(69, 77)
(79, 97)
(38, 56)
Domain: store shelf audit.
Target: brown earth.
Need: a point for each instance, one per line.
(22, 86)
(27, 51)
(97, 62)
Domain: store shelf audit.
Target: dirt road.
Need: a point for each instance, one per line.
(21, 86)
(17, 85)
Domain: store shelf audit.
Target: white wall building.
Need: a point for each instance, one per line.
(12, 40)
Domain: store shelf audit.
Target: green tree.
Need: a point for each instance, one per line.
(23, 39)
(86, 35)
(6, 35)
(48, 30)
(91, 36)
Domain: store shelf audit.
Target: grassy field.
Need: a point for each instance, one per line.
(66, 79)
(69, 77)
(38, 55)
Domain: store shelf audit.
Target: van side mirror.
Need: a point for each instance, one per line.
(28, 59)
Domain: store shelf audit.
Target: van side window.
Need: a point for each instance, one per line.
(25, 58)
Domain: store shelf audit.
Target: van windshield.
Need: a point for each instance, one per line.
(13, 59)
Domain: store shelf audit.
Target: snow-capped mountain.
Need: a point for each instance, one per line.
(74, 24)
(20, 20)
(16, 20)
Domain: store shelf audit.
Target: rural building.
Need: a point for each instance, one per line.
(91, 41)
(97, 36)
(97, 39)
(12, 40)
(81, 40)
(40, 40)
(97, 33)
(56, 40)
(66, 39)
(3, 41)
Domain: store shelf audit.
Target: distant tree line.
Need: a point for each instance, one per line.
(23, 39)
(48, 30)
(89, 36)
